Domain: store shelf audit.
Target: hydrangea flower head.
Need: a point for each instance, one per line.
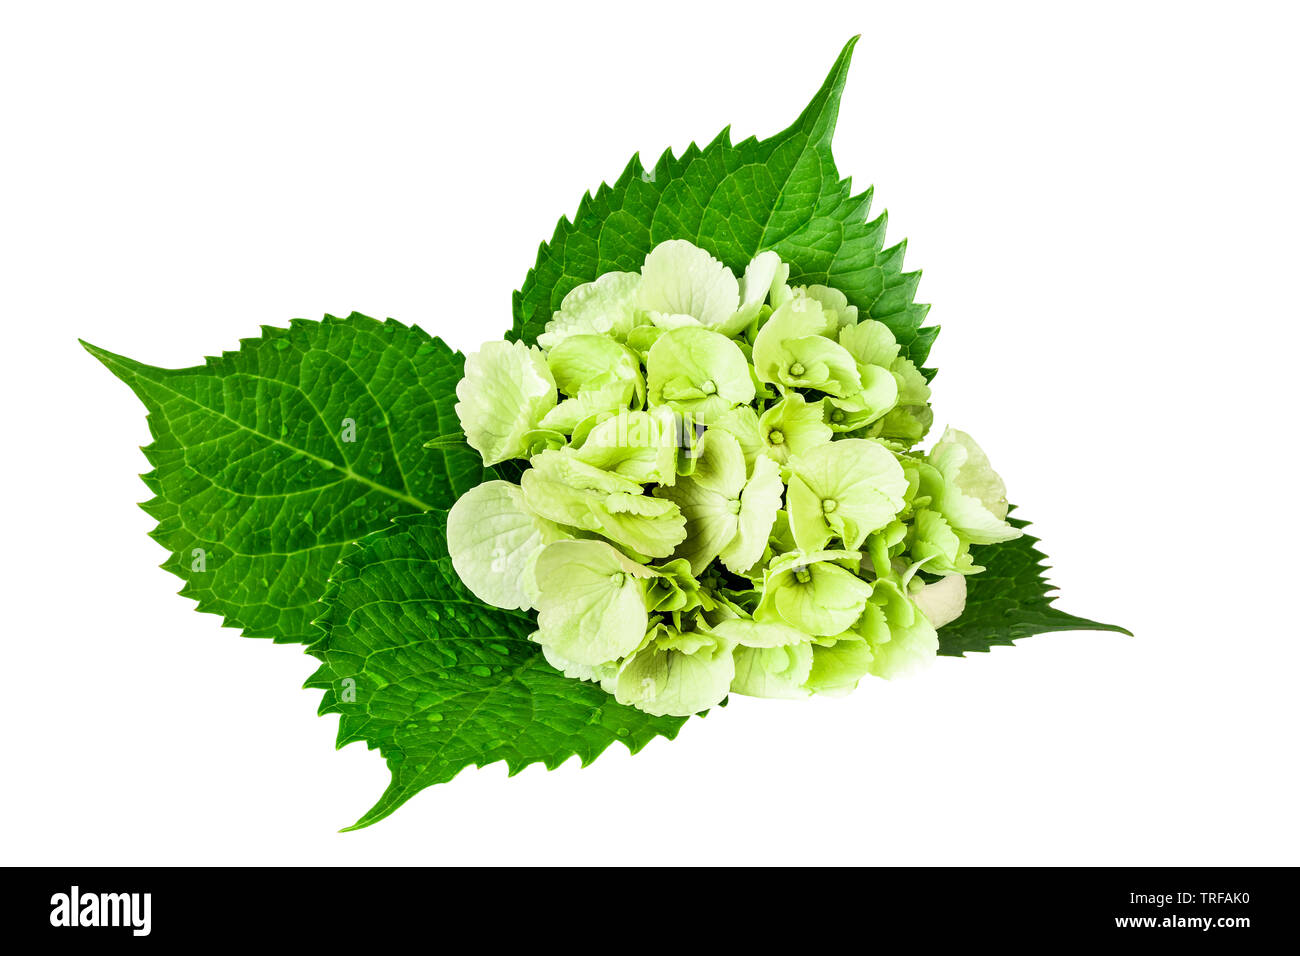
(723, 492)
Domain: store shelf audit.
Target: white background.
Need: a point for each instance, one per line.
(1104, 202)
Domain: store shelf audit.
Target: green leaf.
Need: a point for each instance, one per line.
(1009, 600)
(270, 460)
(437, 681)
(734, 201)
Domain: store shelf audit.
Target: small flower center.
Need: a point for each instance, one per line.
(829, 505)
(617, 579)
(707, 387)
(837, 415)
(796, 369)
(802, 574)
(734, 506)
(776, 436)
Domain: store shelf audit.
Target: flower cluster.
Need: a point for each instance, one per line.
(722, 493)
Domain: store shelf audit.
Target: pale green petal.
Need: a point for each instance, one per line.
(782, 538)
(565, 466)
(891, 537)
(826, 605)
(667, 321)
(679, 278)
(604, 307)
(763, 270)
(506, 391)
(552, 498)
(670, 677)
(792, 426)
(908, 650)
(599, 401)
(773, 672)
(813, 593)
(807, 520)
(973, 497)
(971, 471)
(943, 601)
(567, 491)
(839, 666)
(584, 361)
(910, 419)
(879, 391)
(797, 318)
(834, 303)
(643, 337)
(794, 559)
(696, 636)
(676, 589)
(780, 292)
(641, 446)
(938, 549)
(907, 424)
(494, 542)
(699, 373)
(816, 362)
(759, 503)
(971, 519)
(709, 498)
(873, 626)
(792, 350)
(591, 605)
(847, 489)
(709, 526)
(910, 642)
(759, 633)
(689, 434)
(913, 389)
(720, 464)
(870, 343)
(878, 396)
(590, 672)
(648, 526)
(741, 423)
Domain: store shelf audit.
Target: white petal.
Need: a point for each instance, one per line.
(679, 278)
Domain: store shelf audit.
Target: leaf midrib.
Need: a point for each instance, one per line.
(346, 472)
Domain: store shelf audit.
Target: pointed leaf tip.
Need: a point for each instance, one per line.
(94, 350)
(819, 116)
(119, 365)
